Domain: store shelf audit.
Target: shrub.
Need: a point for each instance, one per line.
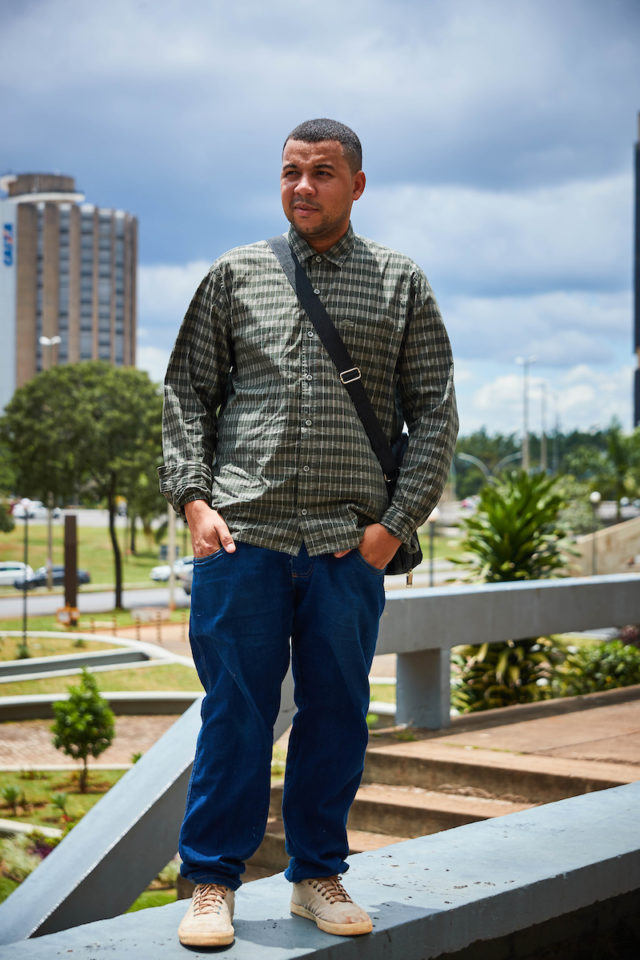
(515, 534)
(501, 674)
(18, 857)
(84, 724)
(11, 796)
(604, 667)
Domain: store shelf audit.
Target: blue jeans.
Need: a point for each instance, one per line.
(251, 610)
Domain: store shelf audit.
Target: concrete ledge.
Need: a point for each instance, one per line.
(428, 897)
(37, 706)
(10, 669)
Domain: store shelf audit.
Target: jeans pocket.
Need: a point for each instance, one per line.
(369, 566)
(197, 561)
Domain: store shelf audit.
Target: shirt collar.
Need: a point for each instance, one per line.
(336, 254)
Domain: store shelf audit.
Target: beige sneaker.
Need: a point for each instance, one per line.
(207, 922)
(326, 901)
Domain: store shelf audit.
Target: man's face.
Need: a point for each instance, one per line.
(318, 188)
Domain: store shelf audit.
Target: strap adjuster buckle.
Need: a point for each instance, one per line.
(350, 376)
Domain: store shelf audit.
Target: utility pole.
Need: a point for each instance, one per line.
(525, 362)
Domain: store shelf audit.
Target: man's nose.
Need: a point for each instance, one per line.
(304, 185)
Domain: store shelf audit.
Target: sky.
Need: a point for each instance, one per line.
(498, 146)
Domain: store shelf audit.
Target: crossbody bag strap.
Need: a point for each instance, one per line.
(349, 373)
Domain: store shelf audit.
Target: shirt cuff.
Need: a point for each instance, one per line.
(189, 480)
(398, 523)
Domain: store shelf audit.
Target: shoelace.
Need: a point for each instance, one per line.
(331, 889)
(208, 896)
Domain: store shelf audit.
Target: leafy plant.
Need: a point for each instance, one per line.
(60, 800)
(606, 666)
(18, 857)
(501, 674)
(84, 724)
(11, 796)
(515, 534)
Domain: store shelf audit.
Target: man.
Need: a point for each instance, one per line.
(291, 525)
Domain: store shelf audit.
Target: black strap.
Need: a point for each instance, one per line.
(349, 373)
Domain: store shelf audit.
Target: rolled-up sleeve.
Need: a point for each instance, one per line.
(429, 407)
(194, 388)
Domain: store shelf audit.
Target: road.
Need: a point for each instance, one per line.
(42, 604)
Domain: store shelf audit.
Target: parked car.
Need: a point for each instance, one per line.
(32, 510)
(12, 569)
(39, 578)
(162, 571)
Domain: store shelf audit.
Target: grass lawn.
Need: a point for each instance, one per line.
(100, 621)
(48, 646)
(95, 552)
(37, 786)
(170, 676)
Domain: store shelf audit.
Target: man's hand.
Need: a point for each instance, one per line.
(208, 530)
(377, 546)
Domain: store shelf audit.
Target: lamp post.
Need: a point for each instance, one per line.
(50, 342)
(525, 362)
(594, 499)
(432, 519)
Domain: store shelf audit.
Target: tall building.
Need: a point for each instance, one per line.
(636, 283)
(67, 279)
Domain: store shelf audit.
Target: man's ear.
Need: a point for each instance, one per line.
(359, 182)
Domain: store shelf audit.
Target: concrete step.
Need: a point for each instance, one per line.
(407, 811)
(415, 812)
(521, 778)
(271, 856)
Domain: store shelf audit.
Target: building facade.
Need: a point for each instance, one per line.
(636, 286)
(67, 279)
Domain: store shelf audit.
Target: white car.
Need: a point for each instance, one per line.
(32, 510)
(162, 572)
(11, 570)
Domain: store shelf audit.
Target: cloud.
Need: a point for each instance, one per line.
(560, 328)
(165, 291)
(580, 397)
(575, 234)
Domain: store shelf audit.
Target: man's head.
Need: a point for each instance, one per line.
(315, 131)
(321, 177)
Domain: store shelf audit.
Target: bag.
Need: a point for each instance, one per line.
(408, 555)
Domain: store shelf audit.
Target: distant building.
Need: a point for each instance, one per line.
(636, 277)
(67, 279)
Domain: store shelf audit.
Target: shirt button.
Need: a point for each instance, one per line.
(309, 377)
(316, 290)
(309, 333)
(308, 422)
(318, 259)
(306, 468)
(304, 512)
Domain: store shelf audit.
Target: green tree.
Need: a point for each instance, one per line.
(84, 724)
(85, 429)
(515, 534)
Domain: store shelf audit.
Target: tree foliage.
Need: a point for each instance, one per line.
(84, 724)
(86, 429)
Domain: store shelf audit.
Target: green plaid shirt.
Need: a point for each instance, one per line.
(257, 422)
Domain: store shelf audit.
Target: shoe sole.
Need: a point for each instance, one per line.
(339, 929)
(206, 939)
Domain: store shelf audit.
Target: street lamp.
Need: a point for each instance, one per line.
(50, 342)
(594, 499)
(525, 363)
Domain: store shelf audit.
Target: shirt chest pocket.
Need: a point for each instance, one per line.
(372, 337)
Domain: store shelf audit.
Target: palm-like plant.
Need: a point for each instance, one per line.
(515, 534)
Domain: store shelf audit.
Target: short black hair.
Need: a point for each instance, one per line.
(314, 131)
